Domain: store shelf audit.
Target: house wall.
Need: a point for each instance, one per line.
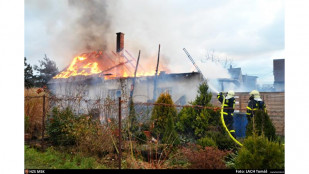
(182, 86)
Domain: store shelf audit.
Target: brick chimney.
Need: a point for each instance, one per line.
(120, 42)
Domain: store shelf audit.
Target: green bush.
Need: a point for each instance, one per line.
(132, 120)
(60, 127)
(260, 153)
(206, 141)
(164, 117)
(89, 136)
(263, 125)
(195, 122)
(223, 141)
(203, 97)
(230, 160)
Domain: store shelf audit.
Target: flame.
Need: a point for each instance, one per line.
(95, 63)
(140, 74)
(77, 67)
(125, 74)
(81, 58)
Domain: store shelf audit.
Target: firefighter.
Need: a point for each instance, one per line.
(228, 110)
(255, 103)
(258, 120)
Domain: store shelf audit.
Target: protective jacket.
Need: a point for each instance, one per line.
(253, 105)
(259, 122)
(228, 110)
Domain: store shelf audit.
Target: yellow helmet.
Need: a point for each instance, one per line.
(230, 94)
(255, 94)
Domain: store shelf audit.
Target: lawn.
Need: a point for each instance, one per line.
(52, 159)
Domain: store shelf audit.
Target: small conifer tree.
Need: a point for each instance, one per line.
(262, 126)
(204, 96)
(194, 122)
(163, 117)
(133, 125)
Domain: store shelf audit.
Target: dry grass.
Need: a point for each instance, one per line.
(33, 108)
(134, 163)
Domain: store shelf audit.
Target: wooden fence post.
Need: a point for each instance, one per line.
(43, 122)
(119, 109)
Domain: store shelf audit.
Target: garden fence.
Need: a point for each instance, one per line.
(117, 111)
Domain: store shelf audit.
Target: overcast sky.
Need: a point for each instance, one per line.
(251, 33)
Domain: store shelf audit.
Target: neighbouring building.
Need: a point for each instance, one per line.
(279, 75)
(250, 82)
(238, 81)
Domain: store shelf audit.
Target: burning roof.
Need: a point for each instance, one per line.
(101, 64)
(94, 63)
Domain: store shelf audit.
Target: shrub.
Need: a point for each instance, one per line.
(205, 158)
(230, 160)
(89, 136)
(132, 120)
(195, 122)
(163, 118)
(260, 153)
(223, 141)
(206, 141)
(93, 138)
(263, 125)
(203, 97)
(60, 127)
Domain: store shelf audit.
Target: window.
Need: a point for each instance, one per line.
(114, 93)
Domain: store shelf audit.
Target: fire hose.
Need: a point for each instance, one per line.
(224, 125)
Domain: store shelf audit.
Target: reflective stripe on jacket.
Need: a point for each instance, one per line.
(229, 105)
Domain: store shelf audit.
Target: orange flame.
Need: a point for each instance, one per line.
(77, 67)
(96, 63)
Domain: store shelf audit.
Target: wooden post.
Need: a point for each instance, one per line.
(119, 158)
(43, 122)
(155, 79)
(133, 83)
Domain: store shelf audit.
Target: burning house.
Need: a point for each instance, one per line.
(101, 75)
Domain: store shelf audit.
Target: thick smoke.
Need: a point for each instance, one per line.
(65, 28)
(73, 27)
(88, 30)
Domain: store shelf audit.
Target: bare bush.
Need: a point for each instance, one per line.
(205, 158)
